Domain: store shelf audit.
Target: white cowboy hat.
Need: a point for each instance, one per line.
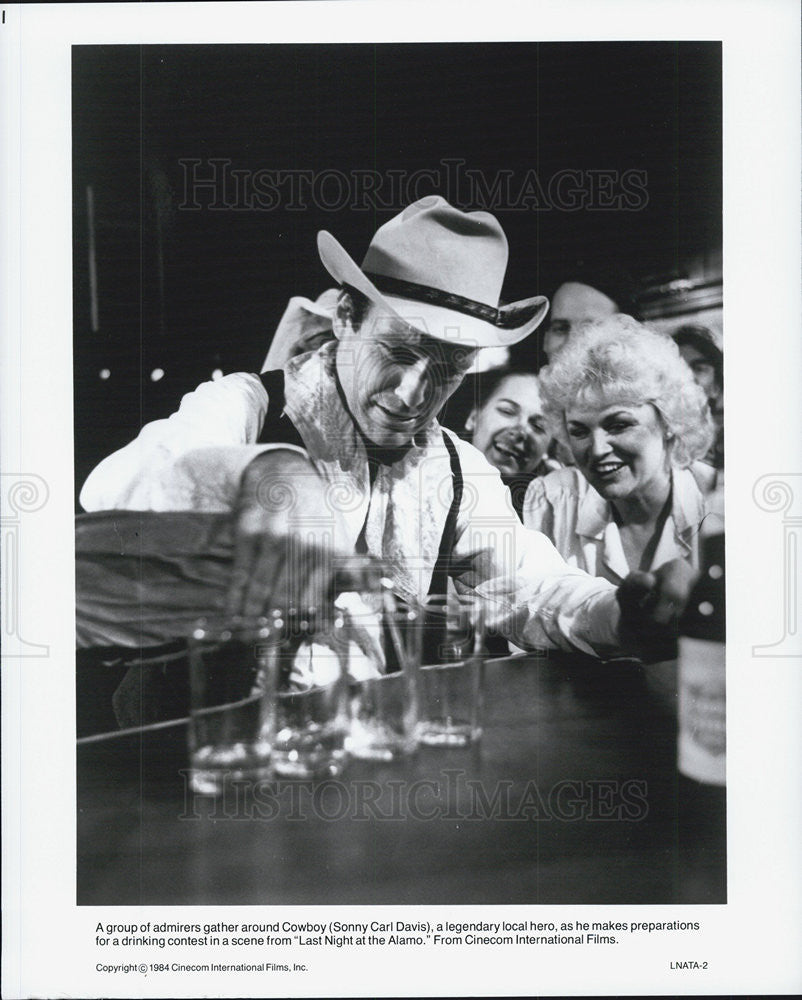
(439, 270)
(302, 320)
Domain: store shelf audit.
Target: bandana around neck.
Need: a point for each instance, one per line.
(404, 509)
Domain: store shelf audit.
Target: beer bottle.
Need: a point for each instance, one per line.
(701, 751)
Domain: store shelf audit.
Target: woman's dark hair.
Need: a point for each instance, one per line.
(702, 338)
(487, 382)
(474, 393)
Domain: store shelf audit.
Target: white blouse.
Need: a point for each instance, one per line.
(580, 523)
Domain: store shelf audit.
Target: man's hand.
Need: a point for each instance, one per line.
(651, 605)
(289, 539)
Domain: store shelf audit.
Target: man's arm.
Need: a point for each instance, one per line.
(193, 460)
(537, 599)
(289, 543)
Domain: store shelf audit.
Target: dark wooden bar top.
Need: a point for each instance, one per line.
(572, 796)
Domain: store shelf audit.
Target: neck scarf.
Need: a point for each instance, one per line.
(402, 508)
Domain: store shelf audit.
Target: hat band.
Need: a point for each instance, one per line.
(437, 297)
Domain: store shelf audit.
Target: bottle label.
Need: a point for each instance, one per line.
(702, 711)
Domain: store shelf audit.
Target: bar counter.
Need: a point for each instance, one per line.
(572, 796)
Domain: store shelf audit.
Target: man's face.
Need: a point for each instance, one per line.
(573, 305)
(395, 380)
(704, 372)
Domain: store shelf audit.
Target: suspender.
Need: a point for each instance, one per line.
(279, 429)
(439, 584)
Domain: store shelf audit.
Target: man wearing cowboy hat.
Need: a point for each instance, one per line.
(343, 453)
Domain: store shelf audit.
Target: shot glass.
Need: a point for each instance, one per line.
(384, 703)
(451, 682)
(312, 710)
(232, 702)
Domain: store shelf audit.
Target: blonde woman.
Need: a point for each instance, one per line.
(627, 406)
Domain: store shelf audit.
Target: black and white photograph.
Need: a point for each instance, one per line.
(398, 622)
(307, 245)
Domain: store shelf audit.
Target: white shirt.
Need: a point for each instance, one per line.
(580, 523)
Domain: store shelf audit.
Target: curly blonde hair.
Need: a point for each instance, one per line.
(626, 361)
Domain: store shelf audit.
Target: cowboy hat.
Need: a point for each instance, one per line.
(302, 320)
(440, 271)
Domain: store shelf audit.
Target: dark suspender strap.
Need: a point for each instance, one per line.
(277, 427)
(439, 583)
(433, 634)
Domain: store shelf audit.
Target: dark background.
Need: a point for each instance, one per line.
(191, 291)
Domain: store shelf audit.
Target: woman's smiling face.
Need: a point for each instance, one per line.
(510, 429)
(619, 446)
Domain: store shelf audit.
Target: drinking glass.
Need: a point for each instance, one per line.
(384, 697)
(310, 664)
(232, 705)
(450, 685)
